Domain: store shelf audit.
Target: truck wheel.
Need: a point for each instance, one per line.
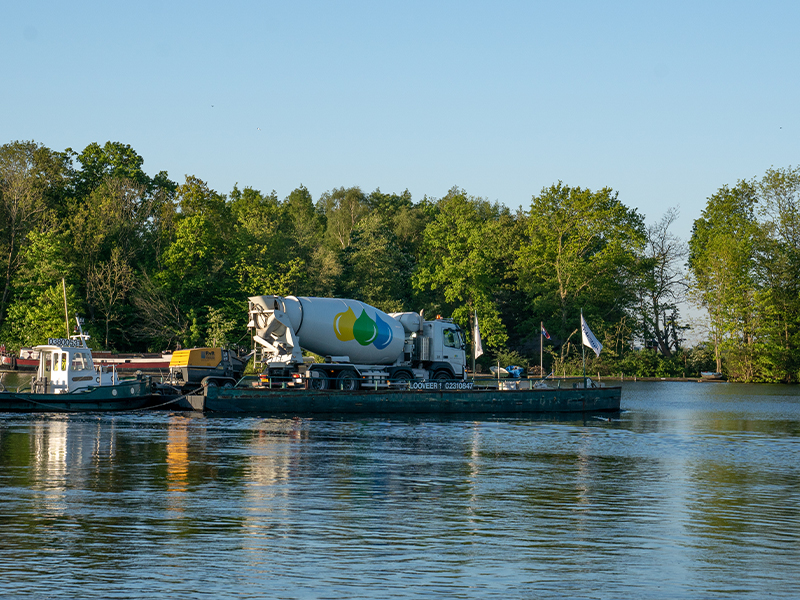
(320, 382)
(402, 378)
(442, 375)
(348, 381)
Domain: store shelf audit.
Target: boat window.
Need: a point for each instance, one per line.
(78, 361)
(450, 338)
(64, 361)
(46, 356)
(55, 361)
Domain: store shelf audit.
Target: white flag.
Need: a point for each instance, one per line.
(588, 337)
(476, 335)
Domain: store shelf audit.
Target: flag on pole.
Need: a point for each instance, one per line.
(476, 336)
(545, 334)
(588, 337)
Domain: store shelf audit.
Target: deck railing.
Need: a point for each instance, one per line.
(382, 383)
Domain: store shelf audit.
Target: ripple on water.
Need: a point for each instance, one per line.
(688, 493)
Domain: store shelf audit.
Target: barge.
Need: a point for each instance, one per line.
(414, 398)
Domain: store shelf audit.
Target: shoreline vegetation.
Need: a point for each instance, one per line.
(152, 264)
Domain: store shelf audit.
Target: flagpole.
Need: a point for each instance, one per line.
(541, 352)
(473, 345)
(583, 352)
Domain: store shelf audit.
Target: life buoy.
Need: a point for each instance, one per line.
(97, 379)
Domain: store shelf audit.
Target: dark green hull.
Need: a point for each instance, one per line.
(128, 395)
(287, 402)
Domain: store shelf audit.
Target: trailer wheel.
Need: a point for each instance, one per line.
(320, 382)
(348, 381)
(211, 388)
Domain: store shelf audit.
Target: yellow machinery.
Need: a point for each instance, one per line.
(216, 366)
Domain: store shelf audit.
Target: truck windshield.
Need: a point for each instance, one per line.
(460, 338)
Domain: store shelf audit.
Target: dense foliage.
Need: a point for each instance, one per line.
(151, 263)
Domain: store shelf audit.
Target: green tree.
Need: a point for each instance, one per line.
(465, 255)
(32, 320)
(722, 253)
(32, 177)
(117, 161)
(343, 209)
(198, 264)
(37, 310)
(195, 263)
(375, 270)
(114, 216)
(219, 329)
(581, 251)
(270, 259)
(308, 224)
(779, 273)
(161, 322)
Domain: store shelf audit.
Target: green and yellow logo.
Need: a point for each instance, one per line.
(362, 329)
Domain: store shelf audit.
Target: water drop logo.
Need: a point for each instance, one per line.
(384, 337)
(343, 325)
(362, 329)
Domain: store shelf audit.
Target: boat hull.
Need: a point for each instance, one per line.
(130, 394)
(406, 402)
(710, 375)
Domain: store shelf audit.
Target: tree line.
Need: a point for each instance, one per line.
(152, 264)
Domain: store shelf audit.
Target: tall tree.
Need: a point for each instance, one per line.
(663, 284)
(722, 253)
(118, 161)
(37, 308)
(108, 285)
(269, 257)
(375, 270)
(307, 222)
(31, 175)
(465, 254)
(581, 251)
(343, 209)
(198, 264)
(779, 272)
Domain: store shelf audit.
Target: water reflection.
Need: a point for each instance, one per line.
(688, 493)
(50, 464)
(177, 462)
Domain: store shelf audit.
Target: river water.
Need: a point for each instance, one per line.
(693, 491)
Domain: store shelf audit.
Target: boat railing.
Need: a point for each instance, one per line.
(377, 382)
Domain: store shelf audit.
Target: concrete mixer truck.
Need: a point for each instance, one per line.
(361, 345)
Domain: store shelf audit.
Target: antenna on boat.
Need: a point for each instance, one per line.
(66, 314)
(81, 336)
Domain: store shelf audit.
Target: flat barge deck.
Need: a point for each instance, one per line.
(418, 398)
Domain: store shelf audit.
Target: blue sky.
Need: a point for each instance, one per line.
(662, 102)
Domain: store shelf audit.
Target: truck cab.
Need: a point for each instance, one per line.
(446, 347)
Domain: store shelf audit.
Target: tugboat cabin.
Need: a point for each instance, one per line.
(66, 366)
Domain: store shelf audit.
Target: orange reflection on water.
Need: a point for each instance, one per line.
(177, 462)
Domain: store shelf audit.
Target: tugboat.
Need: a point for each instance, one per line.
(67, 380)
